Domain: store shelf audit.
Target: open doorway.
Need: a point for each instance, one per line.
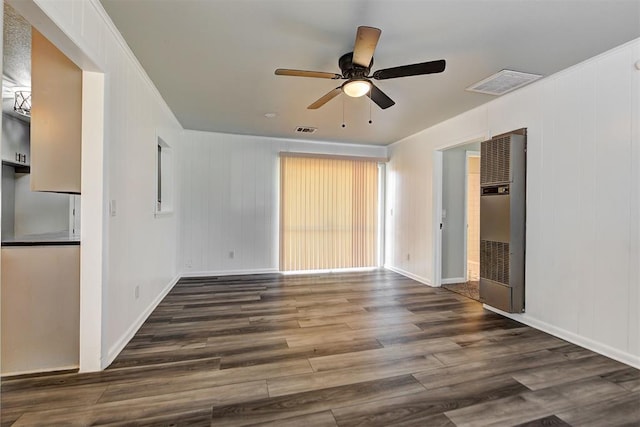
(472, 284)
(461, 219)
(38, 56)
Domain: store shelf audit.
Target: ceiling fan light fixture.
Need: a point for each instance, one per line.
(356, 88)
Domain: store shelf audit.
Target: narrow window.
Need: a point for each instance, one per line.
(159, 190)
(164, 178)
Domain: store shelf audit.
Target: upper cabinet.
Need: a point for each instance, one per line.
(15, 141)
(56, 119)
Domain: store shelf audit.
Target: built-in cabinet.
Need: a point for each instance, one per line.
(40, 308)
(56, 118)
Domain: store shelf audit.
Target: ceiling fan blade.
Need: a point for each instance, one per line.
(326, 98)
(430, 67)
(366, 42)
(379, 97)
(303, 73)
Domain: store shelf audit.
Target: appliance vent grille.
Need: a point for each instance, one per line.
(503, 82)
(495, 161)
(494, 261)
(306, 129)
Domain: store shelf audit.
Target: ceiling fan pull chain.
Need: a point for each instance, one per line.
(370, 121)
(343, 125)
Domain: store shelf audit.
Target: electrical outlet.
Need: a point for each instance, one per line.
(137, 291)
(408, 257)
(112, 208)
(231, 254)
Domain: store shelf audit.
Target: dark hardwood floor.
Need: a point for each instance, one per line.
(357, 349)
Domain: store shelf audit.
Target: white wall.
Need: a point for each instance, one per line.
(133, 248)
(230, 199)
(582, 278)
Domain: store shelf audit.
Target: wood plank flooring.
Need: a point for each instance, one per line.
(356, 349)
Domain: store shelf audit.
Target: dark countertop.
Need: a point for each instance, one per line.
(48, 239)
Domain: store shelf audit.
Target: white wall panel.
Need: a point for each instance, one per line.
(613, 172)
(587, 221)
(582, 198)
(230, 199)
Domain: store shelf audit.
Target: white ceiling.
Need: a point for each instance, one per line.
(213, 61)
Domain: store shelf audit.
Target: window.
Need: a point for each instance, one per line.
(329, 213)
(164, 182)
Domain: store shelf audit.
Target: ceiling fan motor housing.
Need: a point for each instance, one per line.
(351, 70)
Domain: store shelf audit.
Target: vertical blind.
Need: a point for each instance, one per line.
(328, 213)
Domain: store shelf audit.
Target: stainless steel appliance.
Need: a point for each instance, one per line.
(502, 221)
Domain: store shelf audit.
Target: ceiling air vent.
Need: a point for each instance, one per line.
(306, 129)
(503, 82)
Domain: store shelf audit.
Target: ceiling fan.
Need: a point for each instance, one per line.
(355, 67)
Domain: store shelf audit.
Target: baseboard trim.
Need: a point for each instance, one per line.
(415, 277)
(57, 370)
(453, 280)
(228, 272)
(126, 337)
(605, 350)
